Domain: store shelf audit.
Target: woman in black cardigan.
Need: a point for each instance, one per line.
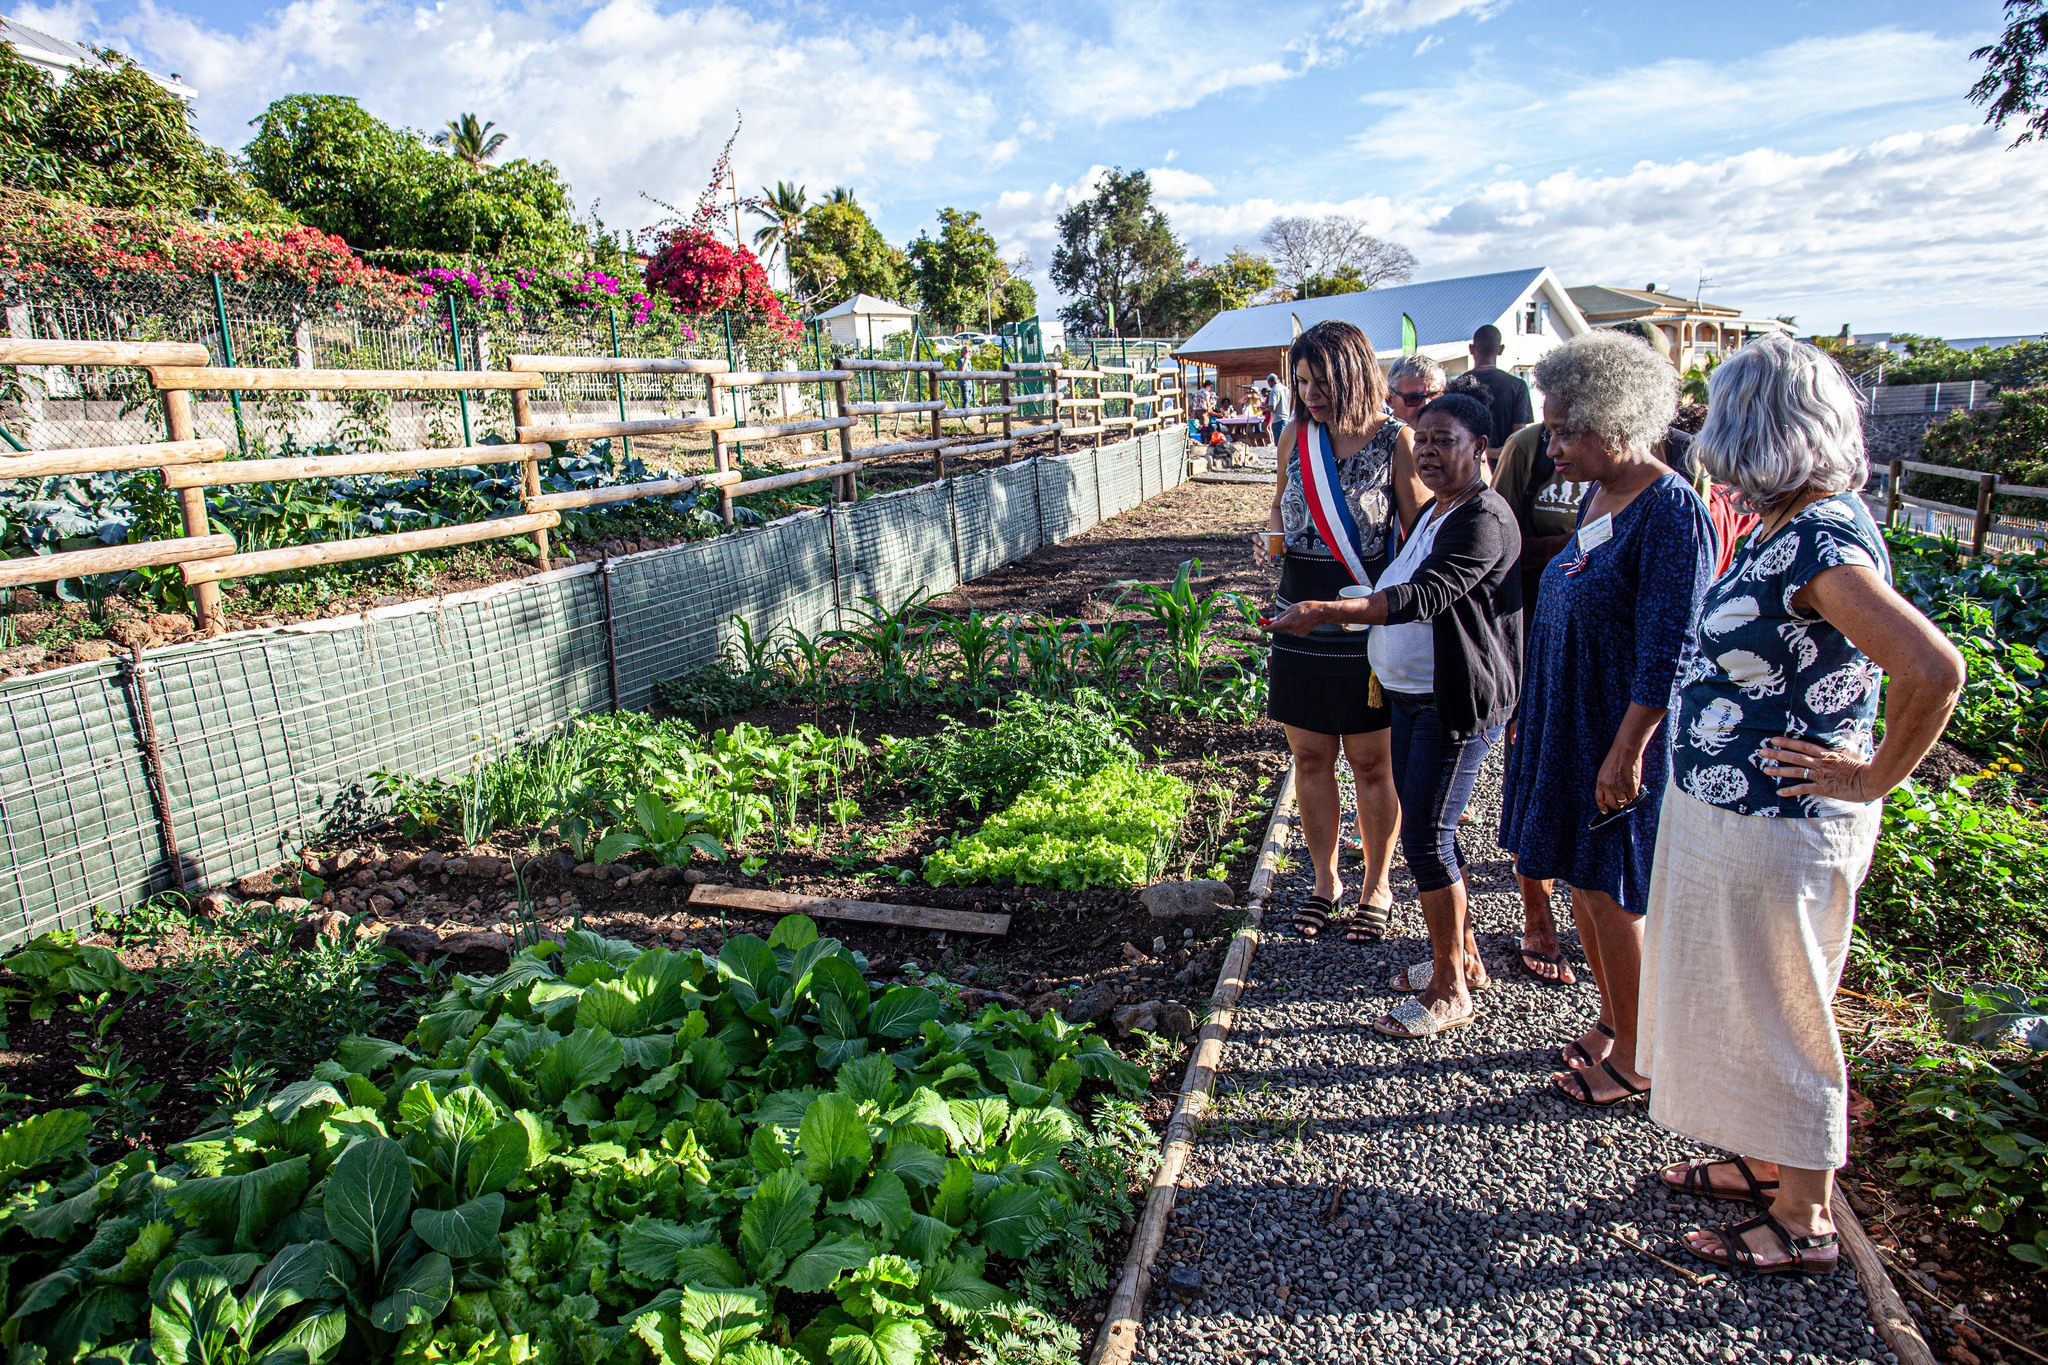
(1446, 649)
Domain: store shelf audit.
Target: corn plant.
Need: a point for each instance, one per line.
(978, 642)
(1186, 619)
(890, 643)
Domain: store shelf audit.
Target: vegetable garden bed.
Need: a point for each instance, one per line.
(641, 1129)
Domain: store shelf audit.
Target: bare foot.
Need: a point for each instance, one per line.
(1589, 1049)
(1542, 960)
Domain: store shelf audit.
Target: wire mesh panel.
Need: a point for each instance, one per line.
(896, 544)
(80, 826)
(1066, 494)
(672, 609)
(1117, 468)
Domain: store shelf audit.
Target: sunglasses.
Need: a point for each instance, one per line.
(1411, 399)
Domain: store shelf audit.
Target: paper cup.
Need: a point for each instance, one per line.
(1276, 544)
(1354, 591)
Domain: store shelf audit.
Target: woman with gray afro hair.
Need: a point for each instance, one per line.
(1609, 384)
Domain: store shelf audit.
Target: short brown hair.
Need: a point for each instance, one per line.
(1343, 359)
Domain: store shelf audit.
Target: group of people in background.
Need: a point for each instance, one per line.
(1267, 402)
(1681, 642)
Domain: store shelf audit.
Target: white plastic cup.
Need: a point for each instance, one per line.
(1356, 590)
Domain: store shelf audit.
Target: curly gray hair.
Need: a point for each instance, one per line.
(1611, 385)
(1422, 367)
(1781, 417)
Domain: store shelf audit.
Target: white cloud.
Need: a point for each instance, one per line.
(1434, 40)
(1171, 183)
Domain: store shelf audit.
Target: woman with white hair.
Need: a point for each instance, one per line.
(1774, 807)
(1612, 621)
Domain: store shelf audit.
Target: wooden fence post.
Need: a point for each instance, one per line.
(1980, 531)
(206, 608)
(849, 486)
(1892, 492)
(529, 468)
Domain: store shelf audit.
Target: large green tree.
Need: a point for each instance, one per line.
(2015, 80)
(838, 252)
(112, 135)
(1117, 260)
(384, 189)
(959, 272)
(1207, 290)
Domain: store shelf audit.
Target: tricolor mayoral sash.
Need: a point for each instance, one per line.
(1317, 459)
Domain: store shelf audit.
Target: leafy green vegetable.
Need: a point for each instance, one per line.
(1114, 828)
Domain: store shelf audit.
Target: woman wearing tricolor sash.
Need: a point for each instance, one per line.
(1338, 524)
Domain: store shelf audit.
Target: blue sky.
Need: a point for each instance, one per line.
(1812, 159)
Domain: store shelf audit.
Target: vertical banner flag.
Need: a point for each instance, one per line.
(1316, 457)
(1407, 335)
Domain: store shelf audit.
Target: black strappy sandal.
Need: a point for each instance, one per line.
(1311, 919)
(1699, 1180)
(1369, 924)
(1586, 1059)
(1740, 1257)
(1585, 1095)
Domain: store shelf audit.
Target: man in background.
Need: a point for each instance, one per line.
(1511, 407)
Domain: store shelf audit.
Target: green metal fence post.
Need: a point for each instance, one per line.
(619, 383)
(455, 341)
(739, 449)
(227, 350)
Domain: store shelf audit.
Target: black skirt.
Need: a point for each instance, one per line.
(1320, 682)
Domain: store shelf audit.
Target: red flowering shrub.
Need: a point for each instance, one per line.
(701, 274)
(40, 236)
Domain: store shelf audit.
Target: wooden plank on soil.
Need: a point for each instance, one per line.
(866, 912)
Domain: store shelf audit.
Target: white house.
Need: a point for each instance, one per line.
(1531, 309)
(865, 320)
(60, 58)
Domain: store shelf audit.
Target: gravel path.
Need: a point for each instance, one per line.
(1359, 1199)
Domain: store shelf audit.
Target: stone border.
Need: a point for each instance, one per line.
(1117, 1339)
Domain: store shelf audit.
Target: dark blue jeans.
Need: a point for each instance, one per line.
(1435, 776)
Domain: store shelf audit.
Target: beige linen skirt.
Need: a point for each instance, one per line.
(1743, 942)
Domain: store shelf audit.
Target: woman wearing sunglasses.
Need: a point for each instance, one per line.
(1610, 627)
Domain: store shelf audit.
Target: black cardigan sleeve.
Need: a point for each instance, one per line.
(1469, 589)
(1472, 545)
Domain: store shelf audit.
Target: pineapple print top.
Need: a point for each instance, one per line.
(1763, 668)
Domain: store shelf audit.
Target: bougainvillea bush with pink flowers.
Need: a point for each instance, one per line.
(701, 274)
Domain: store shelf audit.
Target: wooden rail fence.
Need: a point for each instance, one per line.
(189, 466)
(1984, 521)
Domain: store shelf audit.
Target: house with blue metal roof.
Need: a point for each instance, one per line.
(1531, 308)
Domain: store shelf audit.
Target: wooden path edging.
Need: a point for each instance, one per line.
(1117, 1339)
(1880, 1295)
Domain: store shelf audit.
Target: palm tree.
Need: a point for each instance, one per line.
(840, 195)
(470, 140)
(783, 207)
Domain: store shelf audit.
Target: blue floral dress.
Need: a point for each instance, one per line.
(1764, 669)
(1609, 629)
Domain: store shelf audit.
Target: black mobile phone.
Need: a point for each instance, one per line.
(1606, 818)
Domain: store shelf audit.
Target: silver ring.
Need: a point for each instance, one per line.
(1806, 773)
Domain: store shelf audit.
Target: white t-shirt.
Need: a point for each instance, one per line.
(1404, 656)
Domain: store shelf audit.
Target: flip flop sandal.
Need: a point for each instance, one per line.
(1699, 1180)
(1311, 919)
(1585, 1058)
(1738, 1255)
(1415, 980)
(1556, 960)
(1369, 924)
(1411, 1019)
(1585, 1095)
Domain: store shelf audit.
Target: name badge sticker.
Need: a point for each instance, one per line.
(1596, 533)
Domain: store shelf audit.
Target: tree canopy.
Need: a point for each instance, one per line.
(2015, 80)
(962, 281)
(1334, 254)
(111, 135)
(1117, 258)
(343, 170)
(838, 252)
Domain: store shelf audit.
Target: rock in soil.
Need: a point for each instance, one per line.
(1092, 1004)
(1131, 1018)
(479, 950)
(1188, 900)
(416, 941)
(327, 924)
